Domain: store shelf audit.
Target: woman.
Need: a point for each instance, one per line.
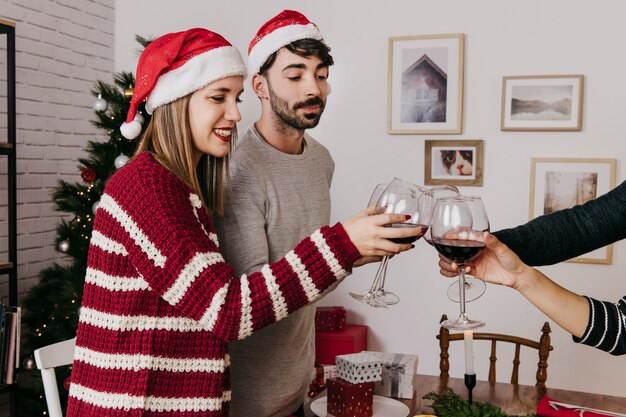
(592, 322)
(160, 304)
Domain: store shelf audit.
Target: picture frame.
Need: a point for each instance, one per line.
(425, 84)
(560, 183)
(454, 162)
(542, 103)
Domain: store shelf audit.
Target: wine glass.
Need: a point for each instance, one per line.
(403, 197)
(474, 287)
(457, 230)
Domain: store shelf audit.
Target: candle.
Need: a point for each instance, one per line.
(468, 337)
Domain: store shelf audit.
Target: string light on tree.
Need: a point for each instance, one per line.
(29, 363)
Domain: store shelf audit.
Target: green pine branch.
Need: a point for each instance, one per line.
(450, 404)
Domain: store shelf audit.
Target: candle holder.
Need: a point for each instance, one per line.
(470, 383)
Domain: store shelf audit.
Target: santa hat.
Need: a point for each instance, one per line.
(177, 64)
(286, 27)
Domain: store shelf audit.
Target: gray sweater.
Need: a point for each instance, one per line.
(565, 234)
(276, 200)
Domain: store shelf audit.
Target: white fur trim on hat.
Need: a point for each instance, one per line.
(195, 74)
(275, 40)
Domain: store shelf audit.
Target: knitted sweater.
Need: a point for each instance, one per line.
(160, 304)
(568, 233)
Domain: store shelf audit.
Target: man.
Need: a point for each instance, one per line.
(280, 194)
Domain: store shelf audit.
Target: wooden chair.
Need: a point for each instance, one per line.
(48, 358)
(543, 346)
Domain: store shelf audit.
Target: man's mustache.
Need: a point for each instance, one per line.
(313, 101)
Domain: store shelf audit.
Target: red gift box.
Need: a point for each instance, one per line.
(349, 400)
(352, 339)
(328, 319)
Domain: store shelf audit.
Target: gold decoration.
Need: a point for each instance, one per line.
(128, 92)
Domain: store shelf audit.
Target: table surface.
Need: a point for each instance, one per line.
(512, 399)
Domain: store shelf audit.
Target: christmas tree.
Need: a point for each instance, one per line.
(50, 308)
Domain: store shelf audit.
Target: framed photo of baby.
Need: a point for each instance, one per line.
(425, 84)
(455, 162)
(561, 183)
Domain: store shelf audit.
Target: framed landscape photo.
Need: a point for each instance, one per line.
(561, 183)
(454, 162)
(425, 84)
(542, 102)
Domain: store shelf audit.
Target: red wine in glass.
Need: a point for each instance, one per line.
(409, 239)
(457, 250)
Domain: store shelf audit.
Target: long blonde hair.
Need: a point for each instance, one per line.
(168, 137)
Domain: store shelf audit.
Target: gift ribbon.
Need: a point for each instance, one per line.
(395, 369)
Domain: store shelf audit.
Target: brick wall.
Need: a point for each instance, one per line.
(63, 47)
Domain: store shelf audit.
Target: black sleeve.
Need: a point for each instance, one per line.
(568, 233)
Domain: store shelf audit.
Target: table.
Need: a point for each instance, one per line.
(512, 399)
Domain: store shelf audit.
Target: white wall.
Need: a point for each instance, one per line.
(502, 38)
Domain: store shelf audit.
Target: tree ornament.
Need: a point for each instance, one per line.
(64, 246)
(128, 92)
(100, 104)
(88, 175)
(66, 383)
(29, 363)
(95, 206)
(120, 161)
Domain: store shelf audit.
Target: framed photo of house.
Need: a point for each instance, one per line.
(561, 183)
(542, 102)
(425, 84)
(454, 162)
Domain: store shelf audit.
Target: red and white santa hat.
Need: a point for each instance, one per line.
(177, 64)
(286, 27)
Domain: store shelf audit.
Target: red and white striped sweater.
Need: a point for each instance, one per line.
(160, 304)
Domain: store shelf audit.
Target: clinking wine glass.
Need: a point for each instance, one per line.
(401, 197)
(474, 288)
(457, 230)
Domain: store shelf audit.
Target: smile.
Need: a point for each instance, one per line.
(223, 134)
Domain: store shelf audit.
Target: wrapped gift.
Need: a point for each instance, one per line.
(349, 400)
(359, 367)
(330, 319)
(398, 372)
(352, 339)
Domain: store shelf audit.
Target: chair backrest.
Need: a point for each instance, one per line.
(543, 346)
(48, 358)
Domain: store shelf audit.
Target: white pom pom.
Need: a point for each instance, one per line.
(131, 130)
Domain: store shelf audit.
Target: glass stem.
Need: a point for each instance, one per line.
(379, 271)
(462, 289)
(384, 272)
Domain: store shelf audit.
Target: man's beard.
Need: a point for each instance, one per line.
(289, 117)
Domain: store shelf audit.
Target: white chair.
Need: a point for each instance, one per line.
(48, 358)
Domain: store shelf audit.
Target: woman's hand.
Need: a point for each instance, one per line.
(368, 233)
(496, 264)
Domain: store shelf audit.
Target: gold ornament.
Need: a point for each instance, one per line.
(128, 92)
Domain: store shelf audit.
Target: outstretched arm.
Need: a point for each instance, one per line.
(565, 234)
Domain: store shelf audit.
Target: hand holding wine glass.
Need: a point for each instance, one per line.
(406, 198)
